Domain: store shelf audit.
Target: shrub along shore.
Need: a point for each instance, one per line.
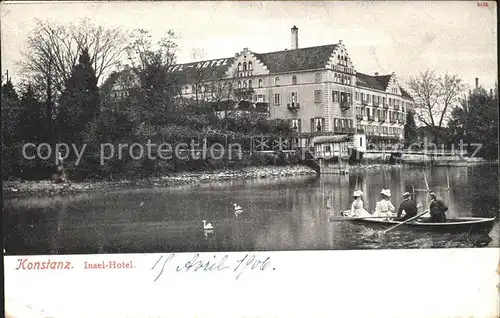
(15, 188)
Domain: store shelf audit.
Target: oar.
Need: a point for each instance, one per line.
(349, 218)
(410, 219)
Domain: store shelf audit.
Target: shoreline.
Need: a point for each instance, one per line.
(12, 189)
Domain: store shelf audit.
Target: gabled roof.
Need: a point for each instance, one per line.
(405, 93)
(365, 80)
(383, 80)
(297, 60)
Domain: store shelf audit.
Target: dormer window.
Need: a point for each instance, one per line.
(277, 81)
(250, 66)
(294, 80)
(260, 82)
(239, 67)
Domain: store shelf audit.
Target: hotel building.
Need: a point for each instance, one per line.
(317, 89)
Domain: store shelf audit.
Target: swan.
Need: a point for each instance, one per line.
(237, 209)
(207, 226)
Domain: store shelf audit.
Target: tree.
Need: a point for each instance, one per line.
(79, 103)
(53, 49)
(410, 128)
(435, 97)
(477, 121)
(10, 142)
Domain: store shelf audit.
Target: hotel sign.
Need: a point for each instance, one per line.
(199, 65)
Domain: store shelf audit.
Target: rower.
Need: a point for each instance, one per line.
(408, 206)
(437, 209)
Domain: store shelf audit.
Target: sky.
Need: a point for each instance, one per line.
(396, 36)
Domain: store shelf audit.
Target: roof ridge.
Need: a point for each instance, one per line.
(292, 50)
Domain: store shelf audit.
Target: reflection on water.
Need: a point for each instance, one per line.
(278, 214)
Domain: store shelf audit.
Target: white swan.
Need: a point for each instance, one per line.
(237, 209)
(207, 226)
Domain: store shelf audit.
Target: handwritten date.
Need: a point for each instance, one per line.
(196, 263)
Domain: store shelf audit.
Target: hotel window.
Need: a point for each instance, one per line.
(369, 97)
(317, 78)
(294, 97)
(317, 96)
(250, 66)
(294, 80)
(342, 123)
(342, 97)
(403, 109)
(260, 98)
(295, 124)
(318, 124)
(277, 81)
(260, 83)
(362, 97)
(383, 100)
(349, 80)
(349, 123)
(244, 84)
(244, 66)
(276, 99)
(349, 98)
(335, 97)
(356, 95)
(239, 67)
(390, 101)
(250, 83)
(336, 122)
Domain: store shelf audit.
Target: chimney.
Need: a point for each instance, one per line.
(376, 73)
(295, 38)
(477, 82)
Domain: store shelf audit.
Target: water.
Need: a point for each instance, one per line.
(278, 214)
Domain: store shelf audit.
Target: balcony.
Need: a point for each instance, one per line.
(393, 121)
(293, 106)
(371, 118)
(345, 105)
(344, 130)
(262, 106)
(359, 116)
(246, 73)
(381, 119)
(375, 104)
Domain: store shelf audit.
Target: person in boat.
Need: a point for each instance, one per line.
(407, 209)
(357, 209)
(384, 207)
(437, 209)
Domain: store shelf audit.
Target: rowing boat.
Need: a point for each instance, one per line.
(456, 225)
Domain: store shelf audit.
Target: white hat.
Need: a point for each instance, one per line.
(358, 193)
(406, 194)
(386, 192)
